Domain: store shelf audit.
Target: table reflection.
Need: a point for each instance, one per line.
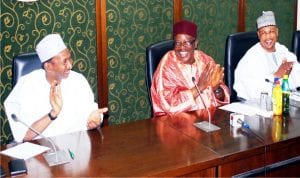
(280, 128)
(79, 143)
(184, 121)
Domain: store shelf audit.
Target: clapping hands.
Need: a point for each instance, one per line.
(212, 75)
(284, 69)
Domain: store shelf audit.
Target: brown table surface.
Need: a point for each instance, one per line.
(226, 141)
(277, 128)
(281, 135)
(172, 146)
(230, 143)
(143, 148)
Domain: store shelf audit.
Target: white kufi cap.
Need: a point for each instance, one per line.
(266, 19)
(50, 46)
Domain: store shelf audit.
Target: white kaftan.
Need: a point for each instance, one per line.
(29, 101)
(257, 65)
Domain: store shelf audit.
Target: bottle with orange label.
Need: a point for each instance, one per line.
(277, 98)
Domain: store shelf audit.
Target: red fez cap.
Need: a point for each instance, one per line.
(185, 27)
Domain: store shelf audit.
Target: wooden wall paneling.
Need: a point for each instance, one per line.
(177, 10)
(102, 53)
(241, 15)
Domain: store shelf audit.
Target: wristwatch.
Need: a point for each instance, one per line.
(219, 93)
(218, 90)
(51, 117)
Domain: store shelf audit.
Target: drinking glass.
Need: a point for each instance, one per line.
(263, 102)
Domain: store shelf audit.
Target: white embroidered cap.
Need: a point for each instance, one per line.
(50, 46)
(266, 19)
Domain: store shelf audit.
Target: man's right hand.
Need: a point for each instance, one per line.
(55, 98)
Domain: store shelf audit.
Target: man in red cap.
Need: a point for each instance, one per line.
(187, 79)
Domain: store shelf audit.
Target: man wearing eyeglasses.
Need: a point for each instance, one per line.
(187, 79)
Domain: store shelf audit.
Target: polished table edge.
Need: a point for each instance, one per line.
(220, 159)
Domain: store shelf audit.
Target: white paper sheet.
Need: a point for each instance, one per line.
(249, 109)
(295, 96)
(25, 150)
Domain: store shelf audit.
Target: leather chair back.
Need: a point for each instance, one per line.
(236, 46)
(154, 53)
(24, 64)
(296, 44)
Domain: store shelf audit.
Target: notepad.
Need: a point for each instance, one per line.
(2, 172)
(25, 150)
(249, 109)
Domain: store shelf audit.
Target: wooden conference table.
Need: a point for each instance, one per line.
(172, 146)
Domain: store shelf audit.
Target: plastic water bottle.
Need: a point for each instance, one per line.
(277, 99)
(285, 94)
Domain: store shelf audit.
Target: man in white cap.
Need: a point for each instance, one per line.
(266, 60)
(54, 100)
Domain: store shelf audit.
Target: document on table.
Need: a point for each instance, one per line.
(245, 108)
(25, 150)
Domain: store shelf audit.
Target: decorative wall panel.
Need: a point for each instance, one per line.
(25, 24)
(215, 19)
(132, 25)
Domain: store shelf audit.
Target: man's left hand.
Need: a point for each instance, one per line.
(96, 118)
(216, 76)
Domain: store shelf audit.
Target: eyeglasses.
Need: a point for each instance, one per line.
(184, 43)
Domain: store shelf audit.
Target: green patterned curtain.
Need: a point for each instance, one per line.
(215, 19)
(25, 24)
(132, 25)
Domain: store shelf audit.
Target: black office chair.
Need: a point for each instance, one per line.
(154, 53)
(296, 44)
(236, 46)
(24, 64)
